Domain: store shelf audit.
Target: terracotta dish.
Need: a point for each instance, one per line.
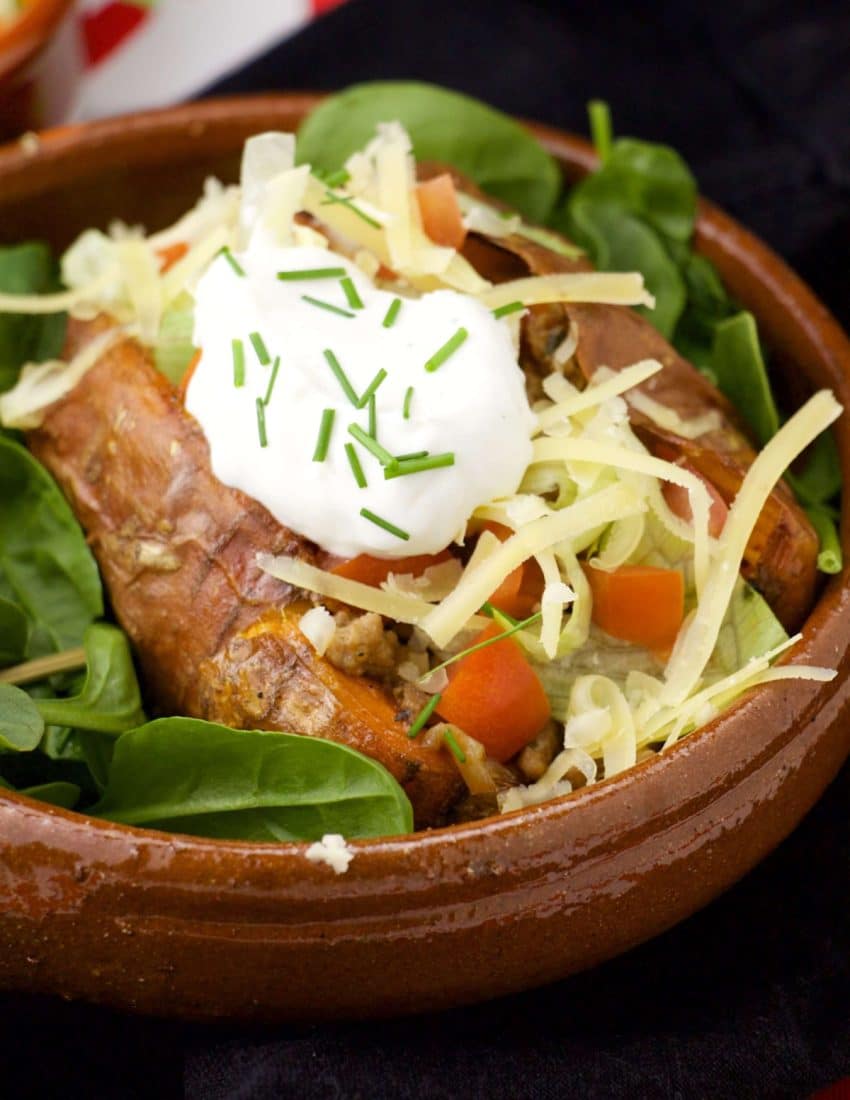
(21, 44)
(203, 929)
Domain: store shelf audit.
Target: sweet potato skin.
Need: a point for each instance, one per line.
(216, 638)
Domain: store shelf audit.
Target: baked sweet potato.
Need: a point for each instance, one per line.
(216, 637)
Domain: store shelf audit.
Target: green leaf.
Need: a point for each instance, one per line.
(14, 633)
(649, 181)
(820, 479)
(173, 350)
(46, 568)
(618, 241)
(502, 157)
(109, 701)
(196, 777)
(59, 793)
(27, 269)
(21, 725)
(742, 376)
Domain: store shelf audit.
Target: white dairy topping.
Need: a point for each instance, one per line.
(473, 405)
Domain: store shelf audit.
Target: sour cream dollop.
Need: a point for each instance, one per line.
(473, 405)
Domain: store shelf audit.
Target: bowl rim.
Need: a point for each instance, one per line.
(29, 32)
(715, 229)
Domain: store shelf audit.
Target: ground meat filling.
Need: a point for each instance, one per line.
(363, 646)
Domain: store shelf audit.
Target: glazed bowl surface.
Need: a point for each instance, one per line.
(201, 929)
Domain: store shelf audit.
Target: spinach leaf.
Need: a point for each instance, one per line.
(14, 633)
(820, 479)
(741, 374)
(46, 568)
(109, 701)
(649, 181)
(27, 269)
(57, 793)
(502, 158)
(200, 778)
(21, 726)
(636, 213)
(618, 241)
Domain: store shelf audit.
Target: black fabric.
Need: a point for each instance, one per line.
(751, 997)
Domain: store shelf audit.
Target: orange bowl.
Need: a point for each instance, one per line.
(196, 928)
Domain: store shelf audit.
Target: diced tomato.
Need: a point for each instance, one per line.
(494, 695)
(441, 217)
(374, 571)
(522, 589)
(638, 603)
(169, 256)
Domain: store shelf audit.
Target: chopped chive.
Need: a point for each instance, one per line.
(486, 642)
(325, 429)
(329, 306)
(372, 387)
(373, 418)
(354, 463)
(392, 313)
(408, 397)
(350, 292)
(422, 717)
(403, 467)
(234, 263)
(260, 349)
(372, 445)
(456, 751)
(413, 454)
(508, 309)
(261, 422)
(448, 349)
(312, 273)
(272, 380)
(379, 521)
(238, 362)
(332, 199)
(337, 178)
(501, 617)
(341, 377)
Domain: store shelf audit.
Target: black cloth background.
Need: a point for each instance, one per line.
(751, 997)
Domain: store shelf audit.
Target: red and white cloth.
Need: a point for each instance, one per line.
(127, 55)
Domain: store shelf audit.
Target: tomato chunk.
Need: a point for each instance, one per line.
(441, 217)
(169, 256)
(522, 589)
(638, 603)
(494, 695)
(374, 571)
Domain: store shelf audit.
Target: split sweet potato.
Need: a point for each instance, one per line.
(216, 638)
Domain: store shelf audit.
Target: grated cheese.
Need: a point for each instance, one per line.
(697, 640)
(612, 288)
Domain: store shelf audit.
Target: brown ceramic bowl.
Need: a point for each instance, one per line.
(21, 45)
(202, 929)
